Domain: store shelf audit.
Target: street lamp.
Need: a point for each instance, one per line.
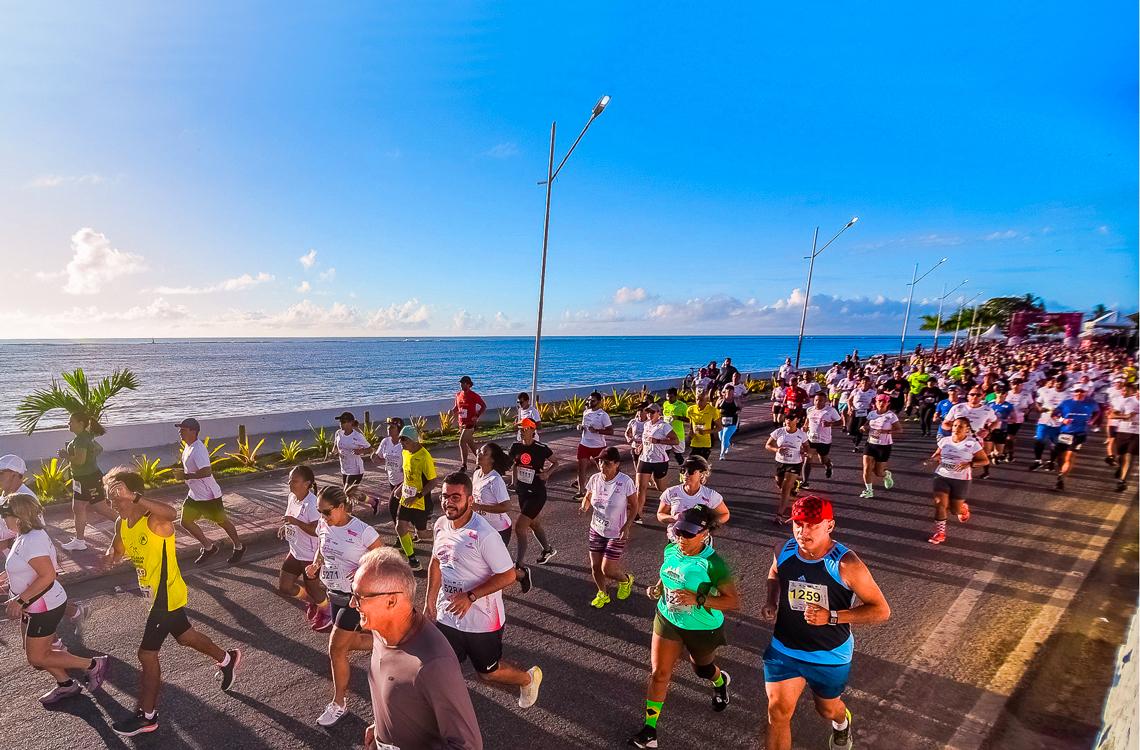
(811, 268)
(958, 323)
(910, 299)
(551, 173)
(945, 294)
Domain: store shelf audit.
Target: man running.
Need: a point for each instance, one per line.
(703, 416)
(656, 440)
(1127, 413)
(1049, 397)
(675, 412)
(204, 498)
(470, 567)
(415, 492)
(595, 425)
(821, 417)
(469, 406)
(525, 410)
(812, 587)
(145, 534)
(858, 403)
(390, 453)
(1074, 414)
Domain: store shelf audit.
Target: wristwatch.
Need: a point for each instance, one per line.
(471, 596)
(833, 618)
(23, 604)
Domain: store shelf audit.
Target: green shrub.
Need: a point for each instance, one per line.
(322, 441)
(53, 482)
(291, 451)
(244, 456)
(151, 472)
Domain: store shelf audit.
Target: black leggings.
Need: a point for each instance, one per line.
(925, 418)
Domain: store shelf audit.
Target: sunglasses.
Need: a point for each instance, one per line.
(686, 534)
(354, 599)
(6, 511)
(326, 512)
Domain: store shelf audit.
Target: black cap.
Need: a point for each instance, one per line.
(346, 417)
(692, 521)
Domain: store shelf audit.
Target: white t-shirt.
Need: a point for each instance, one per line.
(195, 457)
(599, 420)
(860, 400)
(655, 453)
(21, 574)
(1130, 406)
(490, 489)
(1048, 399)
(817, 419)
(957, 453)
(703, 384)
(879, 427)
(979, 416)
(810, 388)
(680, 501)
(1021, 402)
(609, 501)
(469, 556)
(302, 546)
(1114, 397)
(341, 549)
(633, 432)
(789, 444)
(739, 391)
(392, 455)
(529, 412)
(350, 463)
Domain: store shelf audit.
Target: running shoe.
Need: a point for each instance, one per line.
(414, 563)
(803, 486)
(82, 611)
(625, 587)
(415, 537)
(1035, 466)
(964, 515)
(206, 554)
(841, 738)
(227, 672)
(235, 556)
(867, 493)
(59, 692)
(93, 678)
(75, 544)
(888, 480)
(544, 558)
(332, 714)
(137, 724)
(827, 471)
(1120, 485)
(526, 583)
(528, 694)
(985, 474)
(938, 538)
(601, 599)
(323, 622)
(1060, 482)
(311, 612)
(647, 737)
(1110, 460)
(721, 697)
(639, 520)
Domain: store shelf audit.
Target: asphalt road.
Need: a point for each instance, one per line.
(968, 617)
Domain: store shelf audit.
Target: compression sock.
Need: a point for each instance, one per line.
(652, 713)
(301, 594)
(324, 604)
(407, 546)
(869, 486)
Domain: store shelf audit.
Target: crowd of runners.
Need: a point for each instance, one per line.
(355, 579)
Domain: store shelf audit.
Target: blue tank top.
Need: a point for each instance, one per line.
(817, 582)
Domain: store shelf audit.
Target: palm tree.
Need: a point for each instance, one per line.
(78, 396)
(1099, 310)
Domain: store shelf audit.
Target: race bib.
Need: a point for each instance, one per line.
(526, 475)
(802, 593)
(673, 602)
(789, 455)
(408, 491)
(393, 466)
(1065, 439)
(599, 522)
(874, 437)
(290, 532)
(330, 575)
(860, 412)
(728, 421)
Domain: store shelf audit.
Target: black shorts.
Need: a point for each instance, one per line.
(1126, 443)
(702, 452)
(659, 469)
(351, 480)
(417, 517)
(483, 649)
(881, 453)
(160, 624)
(957, 489)
(506, 535)
(1012, 428)
(394, 505)
(782, 469)
(90, 490)
(344, 616)
(532, 499)
(1110, 431)
(43, 624)
(997, 437)
(1078, 441)
(701, 644)
(820, 448)
(293, 566)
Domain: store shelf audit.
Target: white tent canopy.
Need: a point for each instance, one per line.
(993, 334)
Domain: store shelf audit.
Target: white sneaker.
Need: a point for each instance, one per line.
(82, 610)
(333, 713)
(888, 481)
(528, 694)
(867, 493)
(75, 545)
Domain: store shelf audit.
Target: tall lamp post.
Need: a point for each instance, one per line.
(910, 299)
(551, 173)
(945, 294)
(958, 322)
(811, 268)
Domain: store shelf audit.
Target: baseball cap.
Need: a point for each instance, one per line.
(410, 433)
(953, 387)
(190, 423)
(653, 406)
(883, 397)
(528, 424)
(812, 509)
(12, 462)
(692, 521)
(1081, 387)
(345, 416)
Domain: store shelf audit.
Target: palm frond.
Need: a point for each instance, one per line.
(32, 409)
(80, 386)
(108, 388)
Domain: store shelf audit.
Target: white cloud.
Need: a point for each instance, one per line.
(95, 262)
(158, 310)
(236, 284)
(309, 259)
(502, 151)
(1102, 229)
(306, 314)
(304, 287)
(1008, 234)
(327, 275)
(410, 314)
(465, 321)
(627, 295)
(59, 180)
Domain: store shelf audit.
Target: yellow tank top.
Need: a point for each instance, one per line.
(147, 551)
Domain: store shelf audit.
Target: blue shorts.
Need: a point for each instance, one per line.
(1047, 434)
(825, 680)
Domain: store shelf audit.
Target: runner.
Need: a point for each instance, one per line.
(654, 464)
(1127, 413)
(469, 406)
(38, 599)
(795, 396)
(982, 419)
(778, 396)
(928, 399)
(526, 411)
(882, 426)
(1049, 396)
(342, 541)
(694, 590)
(1109, 404)
(703, 415)
(789, 444)
(470, 567)
(533, 461)
(953, 398)
(693, 491)
(415, 493)
(299, 529)
(859, 403)
(390, 453)
(1022, 401)
(86, 478)
(956, 456)
(999, 435)
(351, 447)
(1075, 414)
(204, 495)
(813, 608)
(145, 534)
(12, 471)
(611, 496)
(595, 425)
(634, 429)
(676, 414)
(739, 389)
(729, 410)
(491, 499)
(821, 417)
(917, 380)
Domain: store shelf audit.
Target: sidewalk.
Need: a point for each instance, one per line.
(256, 504)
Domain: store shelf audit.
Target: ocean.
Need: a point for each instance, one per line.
(228, 377)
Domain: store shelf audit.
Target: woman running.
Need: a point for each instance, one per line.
(87, 480)
(491, 500)
(612, 497)
(956, 456)
(881, 427)
(693, 592)
(729, 418)
(789, 443)
(343, 540)
(532, 463)
(858, 404)
(390, 453)
(39, 600)
(350, 447)
(693, 491)
(299, 529)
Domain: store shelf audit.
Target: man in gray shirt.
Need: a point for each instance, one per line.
(419, 696)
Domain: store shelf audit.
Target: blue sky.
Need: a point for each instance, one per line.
(167, 168)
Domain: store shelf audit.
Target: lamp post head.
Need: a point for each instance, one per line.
(601, 105)
(943, 261)
(852, 222)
